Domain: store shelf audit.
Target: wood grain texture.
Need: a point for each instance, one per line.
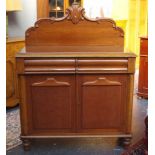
(42, 9)
(102, 91)
(75, 81)
(143, 68)
(129, 101)
(102, 65)
(55, 111)
(102, 81)
(101, 97)
(13, 45)
(23, 106)
(50, 65)
(50, 82)
(94, 54)
(74, 29)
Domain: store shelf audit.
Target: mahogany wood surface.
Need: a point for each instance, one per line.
(42, 8)
(143, 69)
(74, 33)
(55, 111)
(67, 92)
(13, 45)
(101, 95)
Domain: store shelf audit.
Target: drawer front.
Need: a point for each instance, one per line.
(102, 65)
(75, 65)
(144, 47)
(49, 65)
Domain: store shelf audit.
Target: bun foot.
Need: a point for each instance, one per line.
(26, 144)
(127, 142)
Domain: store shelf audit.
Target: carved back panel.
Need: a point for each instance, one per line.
(74, 33)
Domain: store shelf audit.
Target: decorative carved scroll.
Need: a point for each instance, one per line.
(50, 82)
(102, 81)
(75, 13)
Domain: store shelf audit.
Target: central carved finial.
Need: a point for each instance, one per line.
(75, 13)
(75, 3)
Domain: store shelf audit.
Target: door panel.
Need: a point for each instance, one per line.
(52, 103)
(97, 105)
(103, 102)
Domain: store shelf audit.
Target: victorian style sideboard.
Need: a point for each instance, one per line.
(75, 79)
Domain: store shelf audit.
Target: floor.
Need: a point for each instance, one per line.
(87, 146)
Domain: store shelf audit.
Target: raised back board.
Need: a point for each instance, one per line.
(75, 33)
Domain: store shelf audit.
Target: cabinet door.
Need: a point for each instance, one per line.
(50, 103)
(103, 103)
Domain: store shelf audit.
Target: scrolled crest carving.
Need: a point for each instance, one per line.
(75, 13)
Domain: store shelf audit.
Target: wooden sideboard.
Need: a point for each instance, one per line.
(143, 68)
(13, 45)
(75, 82)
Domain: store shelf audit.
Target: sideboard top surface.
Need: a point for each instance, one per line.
(23, 53)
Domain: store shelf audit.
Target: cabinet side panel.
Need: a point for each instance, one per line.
(143, 68)
(143, 77)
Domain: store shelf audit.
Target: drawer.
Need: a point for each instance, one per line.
(102, 65)
(54, 65)
(144, 47)
(75, 65)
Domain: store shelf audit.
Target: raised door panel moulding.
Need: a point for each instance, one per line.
(50, 82)
(102, 81)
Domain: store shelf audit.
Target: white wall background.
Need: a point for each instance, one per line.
(116, 9)
(98, 8)
(21, 20)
